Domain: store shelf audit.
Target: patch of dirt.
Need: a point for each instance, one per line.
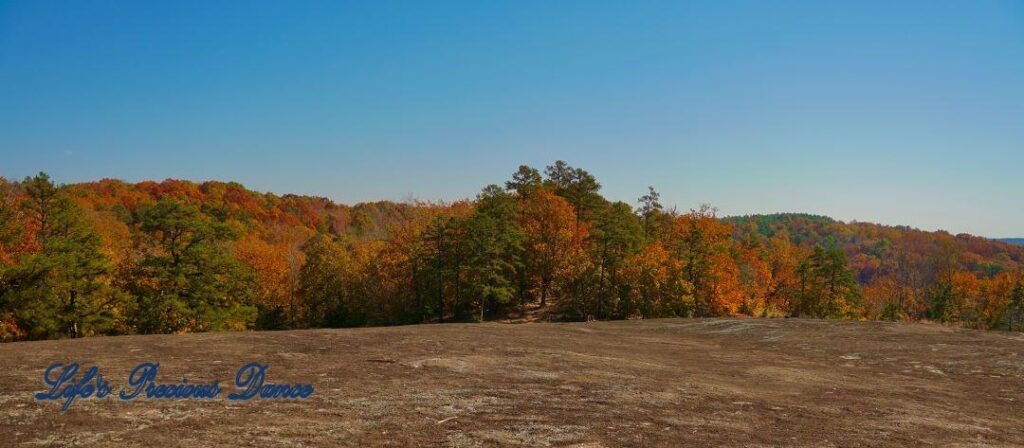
(674, 382)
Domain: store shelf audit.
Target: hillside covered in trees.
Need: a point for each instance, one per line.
(111, 257)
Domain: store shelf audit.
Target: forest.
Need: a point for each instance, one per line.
(110, 257)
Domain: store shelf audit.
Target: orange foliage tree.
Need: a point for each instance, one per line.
(553, 241)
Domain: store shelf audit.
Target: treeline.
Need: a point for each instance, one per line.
(110, 257)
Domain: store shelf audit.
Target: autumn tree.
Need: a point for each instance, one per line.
(10, 234)
(272, 289)
(326, 299)
(755, 274)
(950, 297)
(784, 260)
(1015, 309)
(394, 276)
(10, 230)
(993, 300)
(882, 298)
(896, 291)
(552, 239)
(655, 285)
(705, 247)
(288, 241)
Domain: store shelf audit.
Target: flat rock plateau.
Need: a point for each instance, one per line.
(672, 382)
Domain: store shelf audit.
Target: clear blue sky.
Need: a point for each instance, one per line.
(900, 112)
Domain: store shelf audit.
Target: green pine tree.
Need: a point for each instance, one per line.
(495, 241)
(186, 279)
(827, 287)
(62, 287)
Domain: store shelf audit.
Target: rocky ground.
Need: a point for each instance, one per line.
(691, 382)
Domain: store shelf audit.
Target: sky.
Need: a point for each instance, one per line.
(897, 112)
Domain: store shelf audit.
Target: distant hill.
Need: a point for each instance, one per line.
(876, 248)
(1017, 241)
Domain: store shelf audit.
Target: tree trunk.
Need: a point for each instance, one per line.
(440, 303)
(544, 292)
(73, 327)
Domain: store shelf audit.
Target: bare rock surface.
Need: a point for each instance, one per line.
(674, 382)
